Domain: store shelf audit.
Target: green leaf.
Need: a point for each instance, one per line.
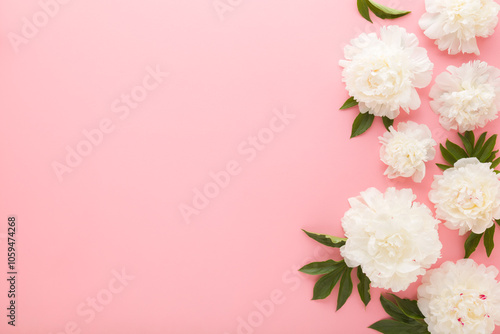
(324, 286)
(455, 150)
(471, 243)
(320, 268)
(363, 10)
(498, 221)
(487, 148)
(495, 163)
(469, 135)
(345, 288)
(363, 286)
(492, 156)
(327, 240)
(394, 327)
(447, 155)
(351, 102)
(409, 307)
(468, 144)
(393, 310)
(479, 144)
(385, 12)
(443, 167)
(387, 122)
(489, 243)
(362, 123)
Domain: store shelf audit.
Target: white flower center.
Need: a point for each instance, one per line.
(391, 245)
(382, 74)
(464, 17)
(469, 307)
(383, 80)
(405, 152)
(471, 103)
(468, 199)
(388, 242)
(459, 10)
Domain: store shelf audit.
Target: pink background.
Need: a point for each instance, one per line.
(119, 208)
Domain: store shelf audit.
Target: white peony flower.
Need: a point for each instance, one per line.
(467, 196)
(461, 298)
(382, 74)
(406, 150)
(466, 97)
(455, 24)
(392, 238)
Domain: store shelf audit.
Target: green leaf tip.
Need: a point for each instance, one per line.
(363, 286)
(324, 286)
(320, 268)
(489, 243)
(406, 317)
(381, 11)
(361, 123)
(387, 122)
(351, 102)
(471, 243)
(345, 288)
(325, 239)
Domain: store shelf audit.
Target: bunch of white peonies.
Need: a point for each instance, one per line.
(392, 238)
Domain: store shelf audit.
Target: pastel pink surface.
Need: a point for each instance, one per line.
(119, 209)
